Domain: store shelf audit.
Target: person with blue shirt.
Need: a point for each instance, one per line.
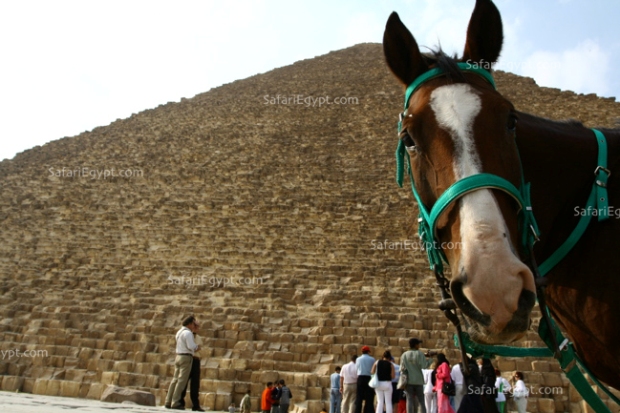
(334, 393)
(365, 394)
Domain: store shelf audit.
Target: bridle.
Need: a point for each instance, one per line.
(528, 228)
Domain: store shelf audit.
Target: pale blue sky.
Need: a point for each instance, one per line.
(70, 66)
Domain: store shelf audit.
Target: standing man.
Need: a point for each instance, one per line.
(246, 403)
(186, 346)
(348, 386)
(413, 361)
(265, 400)
(334, 392)
(285, 397)
(364, 394)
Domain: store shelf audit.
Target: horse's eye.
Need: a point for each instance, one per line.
(407, 140)
(512, 123)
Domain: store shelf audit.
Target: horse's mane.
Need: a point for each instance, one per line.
(437, 58)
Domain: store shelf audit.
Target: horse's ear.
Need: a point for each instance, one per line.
(402, 53)
(484, 34)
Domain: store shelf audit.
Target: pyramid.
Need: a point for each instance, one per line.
(268, 213)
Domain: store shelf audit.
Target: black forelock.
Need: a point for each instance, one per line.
(449, 65)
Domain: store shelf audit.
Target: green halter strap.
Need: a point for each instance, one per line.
(598, 199)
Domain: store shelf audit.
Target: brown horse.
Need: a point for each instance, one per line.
(457, 125)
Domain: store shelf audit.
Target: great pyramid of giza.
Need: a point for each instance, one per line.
(266, 217)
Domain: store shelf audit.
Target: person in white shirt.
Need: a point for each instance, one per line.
(348, 386)
(186, 346)
(520, 392)
(430, 397)
(503, 387)
(457, 378)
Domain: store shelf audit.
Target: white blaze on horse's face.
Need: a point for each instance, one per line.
(492, 275)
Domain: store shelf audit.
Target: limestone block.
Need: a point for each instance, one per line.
(69, 388)
(575, 407)
(207, 401)
(299, 379)
(254, 363)
(28, 385)
(314, 406)
(222, 401)
(123, 366)
(210, 374)
(314, 393)
(244, 375)
(12, 383)
(131, 380)
(553, 379)
(53, 388)
(523, 365)
(152, 381)
(536, 379)
(268, 376)
(506, 366)
(324, 381)
(109, 377)
(227, 374)
(311, 380)
(224, 387)
(84, 390)
(282, 356)
(540, 366)
(117, 394)
(40, 386)
(241, 388)
(545, 405)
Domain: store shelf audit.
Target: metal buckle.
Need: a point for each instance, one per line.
(602, 168)
(536, 238)
(571, 365)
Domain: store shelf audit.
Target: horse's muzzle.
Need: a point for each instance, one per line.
(480, 323)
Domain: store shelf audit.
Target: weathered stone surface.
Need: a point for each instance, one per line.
(117, 394)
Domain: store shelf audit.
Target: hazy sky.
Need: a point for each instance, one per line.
(70, 66)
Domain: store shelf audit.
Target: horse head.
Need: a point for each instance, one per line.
(457, 125)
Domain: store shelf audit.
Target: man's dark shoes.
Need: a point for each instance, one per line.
(197, 409)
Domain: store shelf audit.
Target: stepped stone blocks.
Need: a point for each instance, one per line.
(262, 219)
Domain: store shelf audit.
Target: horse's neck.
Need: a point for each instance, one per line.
(559, 160)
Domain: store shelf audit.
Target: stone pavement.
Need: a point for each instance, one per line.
(30, 403)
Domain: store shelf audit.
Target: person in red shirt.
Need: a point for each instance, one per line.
(265, 400)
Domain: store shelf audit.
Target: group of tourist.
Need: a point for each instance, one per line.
(439, 389)
(350, 386)
(432, 386)
(276, 398)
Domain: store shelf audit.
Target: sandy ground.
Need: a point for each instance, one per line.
(32, 403)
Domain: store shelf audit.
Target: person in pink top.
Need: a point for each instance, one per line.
(442, 375)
